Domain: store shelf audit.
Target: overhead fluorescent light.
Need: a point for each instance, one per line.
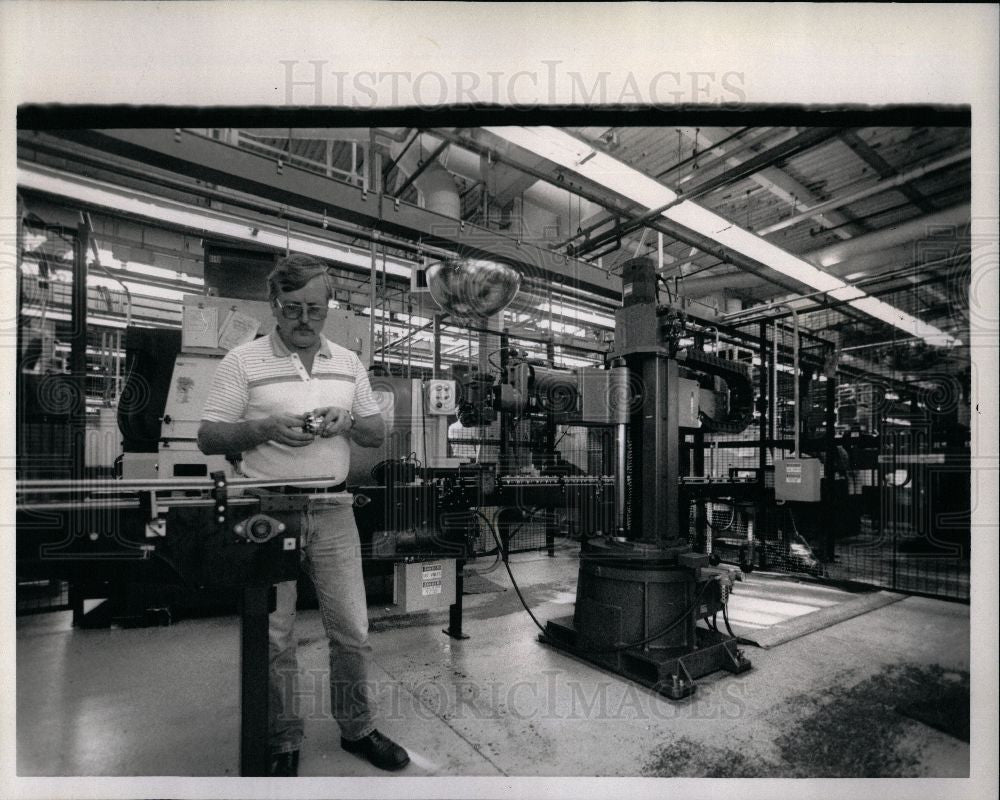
(579, 157)
(171, 212)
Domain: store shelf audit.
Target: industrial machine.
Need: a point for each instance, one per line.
(642, 588)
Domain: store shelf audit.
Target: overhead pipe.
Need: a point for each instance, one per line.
(435, 184)
(546, 194)
(422, 166)
(905, 232)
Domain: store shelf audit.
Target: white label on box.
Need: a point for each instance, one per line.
(793, 469)
(431, 579)
(793, 479)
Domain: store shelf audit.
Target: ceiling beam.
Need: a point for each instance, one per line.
(883, 168)
(223, 164)
(784, 187)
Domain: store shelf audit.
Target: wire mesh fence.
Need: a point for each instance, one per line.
(41, 596)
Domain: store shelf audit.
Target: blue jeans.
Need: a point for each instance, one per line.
(331, 556)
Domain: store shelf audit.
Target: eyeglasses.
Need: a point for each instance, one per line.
(294, 310)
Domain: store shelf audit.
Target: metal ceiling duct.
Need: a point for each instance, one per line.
(435, 184)
(472, 289)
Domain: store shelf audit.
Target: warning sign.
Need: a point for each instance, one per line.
(431, 579)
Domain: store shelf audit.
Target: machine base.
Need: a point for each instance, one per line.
(672, 674)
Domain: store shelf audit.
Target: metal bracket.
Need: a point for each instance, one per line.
(220, 497)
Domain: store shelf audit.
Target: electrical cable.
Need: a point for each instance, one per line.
(725, 617)
(726, 527)
(517, 588)
(561, 436)
(489, 524)
(681, 618)
(524, 522)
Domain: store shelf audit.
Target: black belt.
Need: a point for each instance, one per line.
(340, 487)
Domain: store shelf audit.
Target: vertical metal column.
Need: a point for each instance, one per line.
(671, 455)
(829, 496)
(254, 665)
(656, 439)
(766, 428)
(454, 629)
(436, 344)
(78, 352)
(621, 465)
(701, 506)
(502, 450)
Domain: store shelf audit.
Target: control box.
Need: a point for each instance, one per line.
(424, 586)
(442, 397)
(797, 479)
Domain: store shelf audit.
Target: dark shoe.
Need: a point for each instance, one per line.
(284, 765)
(380, 750)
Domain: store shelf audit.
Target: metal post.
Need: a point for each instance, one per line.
(409, 345)
(774, 386)
(436, 344)
(701, 507)
(503, 450)
(894, 521)
(375, 185)
(621, 453)
(254, 689)
(454, 629)
(658, 443)
(78, 351)
(766, 426)
(830, 497)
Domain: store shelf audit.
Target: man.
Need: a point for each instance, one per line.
(257, 406)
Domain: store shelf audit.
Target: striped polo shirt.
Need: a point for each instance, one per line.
(263, 378)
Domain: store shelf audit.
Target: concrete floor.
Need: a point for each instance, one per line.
(164, 701)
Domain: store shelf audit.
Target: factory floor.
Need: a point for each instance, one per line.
(836, 689)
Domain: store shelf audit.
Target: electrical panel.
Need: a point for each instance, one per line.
(424, 586)
(442, 397)
(797, 479)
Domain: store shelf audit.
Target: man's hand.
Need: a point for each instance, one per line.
(285, 429)
(333, 421)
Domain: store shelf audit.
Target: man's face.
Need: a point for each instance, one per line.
(301, 332)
